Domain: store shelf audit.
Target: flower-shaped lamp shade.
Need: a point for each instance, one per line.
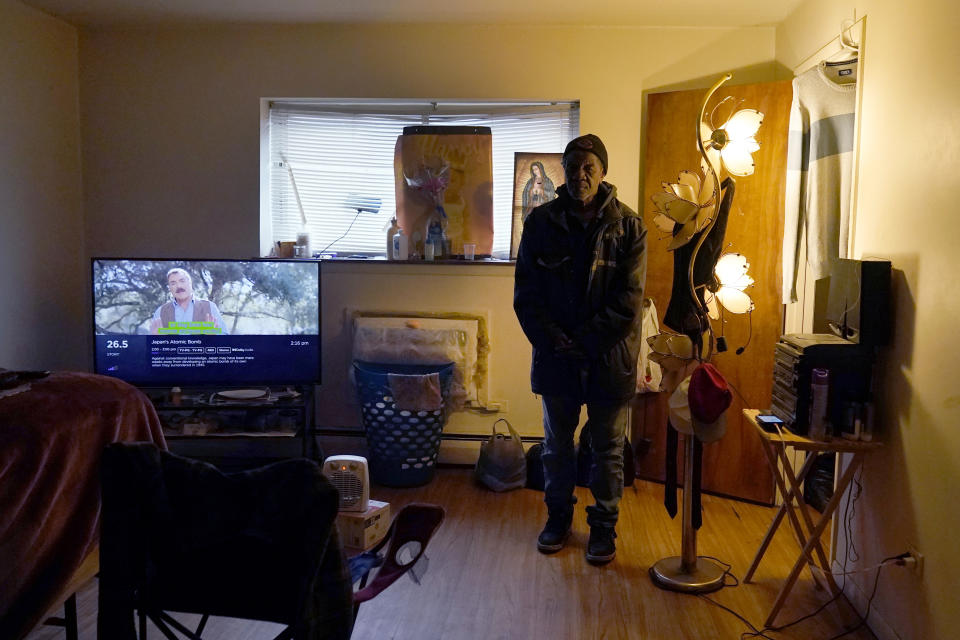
(671, 344)
(687, 202)
(731, 271)
(672, 351)
(731, 145)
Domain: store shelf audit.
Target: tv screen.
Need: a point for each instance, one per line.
(207, 322)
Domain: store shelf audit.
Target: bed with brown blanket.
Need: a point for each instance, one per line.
(52, 434)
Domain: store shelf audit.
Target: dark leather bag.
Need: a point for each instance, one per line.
(535, 467)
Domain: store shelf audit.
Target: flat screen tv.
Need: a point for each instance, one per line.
(207, 322)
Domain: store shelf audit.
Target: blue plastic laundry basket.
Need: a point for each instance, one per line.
(402, 445)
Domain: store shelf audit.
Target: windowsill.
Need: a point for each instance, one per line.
(377, 268)
(425, 263)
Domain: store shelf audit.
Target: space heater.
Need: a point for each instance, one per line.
(350, 476)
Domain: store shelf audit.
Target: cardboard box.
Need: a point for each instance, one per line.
(360, 531)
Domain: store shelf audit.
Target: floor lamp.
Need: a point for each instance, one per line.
(692, 211)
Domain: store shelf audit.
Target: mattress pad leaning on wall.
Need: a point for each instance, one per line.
(428, 340)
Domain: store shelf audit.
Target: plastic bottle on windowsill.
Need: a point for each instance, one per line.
(436, 234)
(401, 246)
(392, 231)
(302, 247)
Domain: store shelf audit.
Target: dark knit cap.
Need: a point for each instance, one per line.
(591, 143)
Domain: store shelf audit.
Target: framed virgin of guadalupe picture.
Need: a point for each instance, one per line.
(536, 177)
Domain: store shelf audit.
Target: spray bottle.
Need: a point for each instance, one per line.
(819, 388)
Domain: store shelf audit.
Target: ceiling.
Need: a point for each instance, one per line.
(692, 13)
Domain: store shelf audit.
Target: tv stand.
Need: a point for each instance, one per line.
(238, 427)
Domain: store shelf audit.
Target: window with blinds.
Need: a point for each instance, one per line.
(326, 156)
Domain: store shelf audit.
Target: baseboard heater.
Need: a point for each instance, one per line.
(464, 437)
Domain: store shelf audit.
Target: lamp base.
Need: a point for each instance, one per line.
(704, 577)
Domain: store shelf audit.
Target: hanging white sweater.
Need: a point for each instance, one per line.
(819, 170)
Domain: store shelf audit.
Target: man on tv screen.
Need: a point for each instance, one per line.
(183, 322)
(185, 314)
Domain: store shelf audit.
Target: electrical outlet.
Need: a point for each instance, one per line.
(917, 567)
(497, 406)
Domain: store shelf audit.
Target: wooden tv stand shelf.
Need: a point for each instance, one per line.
(232, 426)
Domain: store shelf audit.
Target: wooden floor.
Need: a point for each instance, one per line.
(486, 580)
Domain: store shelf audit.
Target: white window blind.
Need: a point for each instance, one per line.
(337, 152)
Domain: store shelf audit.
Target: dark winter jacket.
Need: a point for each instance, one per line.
(605, 325)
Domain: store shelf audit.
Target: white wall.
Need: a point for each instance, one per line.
(171, 144)
(909, 182)
(43, 323)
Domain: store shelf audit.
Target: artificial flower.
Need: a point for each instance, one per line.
(431, 180)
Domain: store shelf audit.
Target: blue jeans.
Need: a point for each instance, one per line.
(561, 415)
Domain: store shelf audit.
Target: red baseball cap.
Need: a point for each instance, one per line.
(709, 394)
(683, 421)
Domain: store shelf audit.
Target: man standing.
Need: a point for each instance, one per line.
(578, 293)
(184, 308)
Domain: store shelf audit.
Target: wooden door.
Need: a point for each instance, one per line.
(735, 465)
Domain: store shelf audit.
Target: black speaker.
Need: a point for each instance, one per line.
(858, 305)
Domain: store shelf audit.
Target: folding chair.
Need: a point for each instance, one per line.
(179, 535)
(410, 532)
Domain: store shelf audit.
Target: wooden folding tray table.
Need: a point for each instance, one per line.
(789, 484)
